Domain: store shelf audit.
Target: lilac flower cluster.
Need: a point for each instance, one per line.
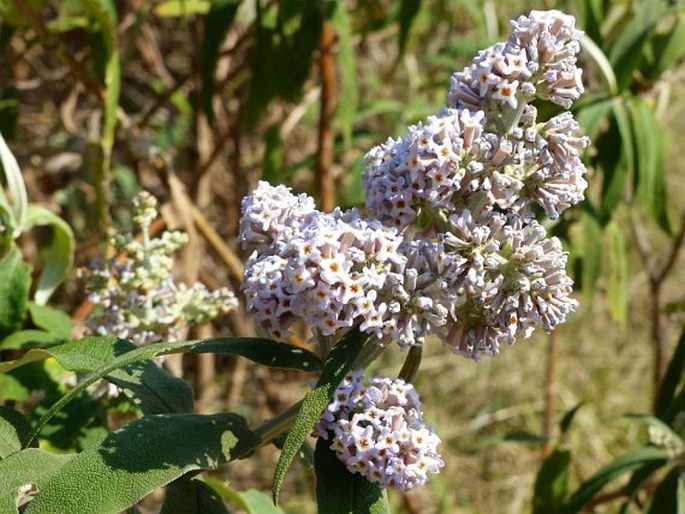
(376, 428)
(484, 272)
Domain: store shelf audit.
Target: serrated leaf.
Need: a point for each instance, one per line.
(57, 255)
(336, 365)
(216, 23)
(143, 455)
(13, 429)
(50, 319)
(16, 204)
(615, 469)
(190, 496)
(15, 280)
(551, 483)
(348, 97)
(30, 466)
(340, 492)
(671, 379)
(252, 501)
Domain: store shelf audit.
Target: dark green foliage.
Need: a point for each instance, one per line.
(340, 492)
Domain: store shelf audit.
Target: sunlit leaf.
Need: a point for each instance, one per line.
(143, 455)
(15, 202)
(251, 501)
(551, 483)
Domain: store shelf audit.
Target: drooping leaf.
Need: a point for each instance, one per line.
(602, 63)
(611, 471)
(251, 501)
(191, 496)
(551, 483)
(336, 365)
(143, 455)
(340, 492)
(15, 280)
(216, 23)
(671, 379)
(13, 429)
(57, 255)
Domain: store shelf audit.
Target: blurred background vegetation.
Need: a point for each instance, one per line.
(196, 100)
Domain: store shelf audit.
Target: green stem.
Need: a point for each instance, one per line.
(271, 429)
(512, 117)
(369, 352)
(411, 364)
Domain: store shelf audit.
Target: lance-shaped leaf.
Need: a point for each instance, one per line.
(674, 373)
(340, 492)
(251, 501)
(30, 466)
(15, 280)
(113, 359)
(551, 483)
(57, 255)
(337, 364)
(621, 465)
(140, 457)
(16, 205)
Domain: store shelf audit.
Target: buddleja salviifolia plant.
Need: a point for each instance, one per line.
(448, 245)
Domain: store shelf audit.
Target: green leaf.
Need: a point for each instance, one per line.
(551, 483)
(626, 53)
(650, 172)
(408, 11)
(182, 8)
(337, 364)
(16, 204)
(592, 255)
(617, 282)
(590, 14)
(57, 255)
(51, 320)
(592, 113)
(15, 280)
(143, 455)
(602, 63)
(615, 469)
(272, 163)
(666, 496)
(252, 501)
(13, 429)
(568, 418)
(105, 356)
(30, 466)
(349, 97)
(671, 379)
(669, 49)
(340, 492)
(191, 496)
(216, 24)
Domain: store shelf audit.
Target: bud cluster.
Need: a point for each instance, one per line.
(134, 294)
